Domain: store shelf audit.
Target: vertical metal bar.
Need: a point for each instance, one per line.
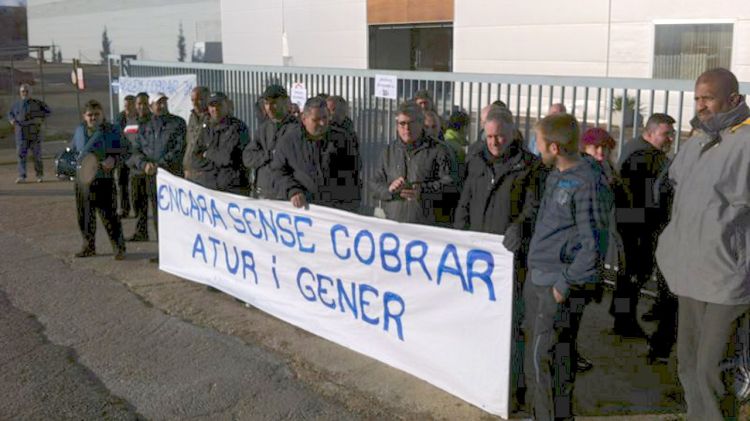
(518, 105)
(666, 102)
(527, 126)
(551, 96)
(636, 113)
(678, 129)
(622, 122)
(471, 95)
(651, 103)
(507, 95)
(540, 90)
(585, 107)
(562, 94)
(111, 96)
(443, 99)
(609, 112)
(573, 104)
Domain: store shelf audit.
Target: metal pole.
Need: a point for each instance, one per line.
(40, 57)
(111, 99)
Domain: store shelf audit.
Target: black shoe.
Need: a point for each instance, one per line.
(629, 329)
(209, 288)
(138, 237)
(120, 254)
(583, 364)
(153, 260)
(86, 252)
(654, 358)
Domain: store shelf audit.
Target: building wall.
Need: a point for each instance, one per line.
(319, 33)
(76, 26)
(549, 37)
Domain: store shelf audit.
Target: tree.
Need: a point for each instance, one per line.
(181, 45)
(106, 45)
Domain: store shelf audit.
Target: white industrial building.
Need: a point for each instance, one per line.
(147, 29)
(610, 38)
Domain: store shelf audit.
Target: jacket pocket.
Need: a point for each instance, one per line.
(739, 240)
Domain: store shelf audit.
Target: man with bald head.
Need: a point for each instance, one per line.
(703, 252)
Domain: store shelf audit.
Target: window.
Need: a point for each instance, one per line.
(684, 51)
(412, 47)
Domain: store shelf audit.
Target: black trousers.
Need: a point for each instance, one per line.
(144, 197)
(639, 247)
(551, 331)
(123, 188)
(99, 197)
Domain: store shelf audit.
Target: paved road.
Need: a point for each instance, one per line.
(169, 349)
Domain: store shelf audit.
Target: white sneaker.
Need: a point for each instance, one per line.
(20, 180)
(39, 179)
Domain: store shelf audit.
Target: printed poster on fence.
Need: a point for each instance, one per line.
(177, 88)
(431, 302)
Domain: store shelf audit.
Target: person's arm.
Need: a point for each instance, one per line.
(463, 210)
(255, 155)
(592, 204)
(138, 159)
(380, 183)
(286, 184)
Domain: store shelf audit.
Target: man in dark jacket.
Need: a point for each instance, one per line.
(640, 220)
(196, 123)
(258, 154)
(499, 196)
(26, 116)
(317, 163)
(95, 136)
(128, 121)
(414, 172)
(160, 144)
(217, 156)
(565, 255)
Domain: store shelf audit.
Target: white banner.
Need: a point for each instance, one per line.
(433, 302)
(177, 88)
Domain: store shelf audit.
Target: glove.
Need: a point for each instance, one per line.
(513, 238)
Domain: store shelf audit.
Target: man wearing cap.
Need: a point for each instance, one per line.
(217, 156)
(318, 163)
(196, 123)
(160, 144)
(26, 116)
(128, 120)
(258, 154)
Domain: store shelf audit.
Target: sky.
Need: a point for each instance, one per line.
(12, 2)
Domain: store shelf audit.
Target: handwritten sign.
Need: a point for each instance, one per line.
(432, 302)
(299, 94)
(177, 88)
(386, 86)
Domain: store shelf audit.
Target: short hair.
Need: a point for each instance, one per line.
(323, 95)
(458, 120)
(561, 129)
(25, 85)
(92, 105)
(423, 94)
(598, 137)
(204, 91)
(141, 94)
(314, 102)
(129, 98)
(412, 110)
(500, 115)
(340, 103)
(657, 119)
(726, 80)
(498, 103)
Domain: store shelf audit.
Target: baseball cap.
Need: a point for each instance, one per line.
(217, 97)
(156, 98)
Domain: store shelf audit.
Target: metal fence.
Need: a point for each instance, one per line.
(593, 100)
